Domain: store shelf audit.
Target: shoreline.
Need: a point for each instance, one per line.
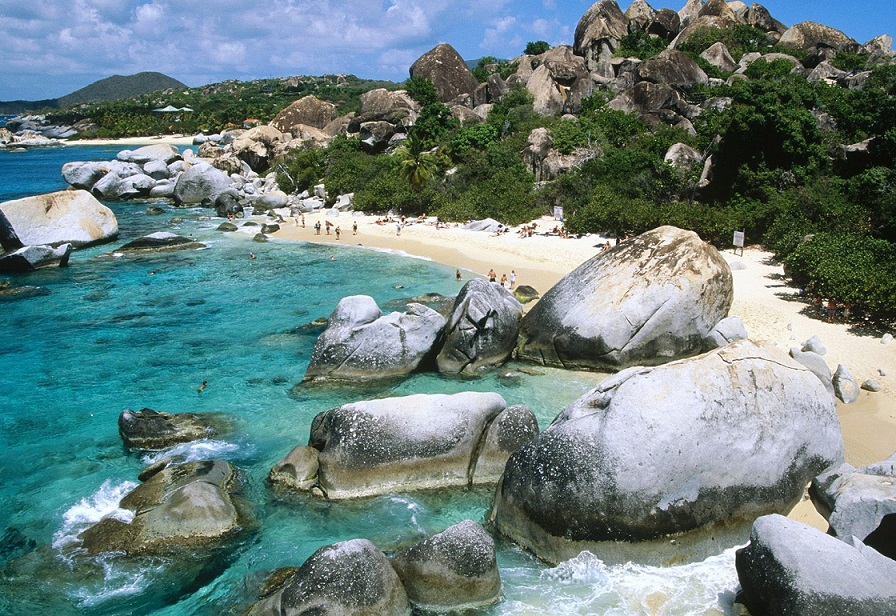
(164, 139)
(773, 312)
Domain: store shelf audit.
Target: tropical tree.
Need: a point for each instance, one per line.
(417, 165)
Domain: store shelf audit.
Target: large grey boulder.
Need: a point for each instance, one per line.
(351, 578)
(257, 147)
(703, 444)
(640, 15)
(666, 24)
(307, 111)
(717, 54)
(180, 508)
(645, 301)
(66, 217)
(682, 156)
(759, 17)
(674, 68)
(599, 32)
(395, 107)
(148, 429)
(482, 329)
(808, 34)
(560, 83)
(161, 241)
(447, 71)
(415, 442)
(30, 258)
(156, 152)
(815, 362)
(845, 386)
(793, 569)
(860, 503)
(360, 343)
(453, 570)
(199, 182)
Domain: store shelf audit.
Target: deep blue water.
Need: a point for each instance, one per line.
(117, 333)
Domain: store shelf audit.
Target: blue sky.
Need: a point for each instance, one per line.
(52, 48)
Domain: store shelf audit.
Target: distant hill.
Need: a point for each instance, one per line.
(113, 88)
(118, 87)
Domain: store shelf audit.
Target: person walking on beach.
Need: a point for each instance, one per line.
(355, 228)
(337, 232)
(328, 224)
(317, 228)
(512, 279)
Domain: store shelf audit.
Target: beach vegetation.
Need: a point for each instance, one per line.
(536, 48)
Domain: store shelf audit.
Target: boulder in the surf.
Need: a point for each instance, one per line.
(703, 443)
(30, 258)
(66, 217)
(161, 241)
(791, 568)
(353, 578)
(411, 443)
(148, 429)
(451, 571)
(647, 301)
(482, 329)
(362, 344)
(199, 182)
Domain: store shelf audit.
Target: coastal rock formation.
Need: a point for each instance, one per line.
(30, 258)
(66, 217)
(351, 578)
(453, 570)
(712, 441)
(726, 331)
(360, 343)
(860, 503)
(257, 147)
(599, 32)
(159, 152)
(447, 71)
(791, 568)
(674, 68)
(307, 111)
(147, 429)
(161, 241)
(482, 329)
(646, 301)
(381, 105)
(560, 82)
(199, 182)
(180, 508)
(808, 34)
(410, 443)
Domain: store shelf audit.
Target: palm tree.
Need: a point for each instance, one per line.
(416, 165)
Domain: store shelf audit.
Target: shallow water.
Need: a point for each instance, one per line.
(116, 333)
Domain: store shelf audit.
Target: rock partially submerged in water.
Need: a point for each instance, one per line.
(452, 570)
(351, 578)
(65, 217)
(8, 292)
(152, 430)
(31, 258)
(179, 509)
(482, 329)
(655, 452)
(646, 301)
(860, 503)
(161, 241)
(792, 568)
(409, 443)
(362, 344)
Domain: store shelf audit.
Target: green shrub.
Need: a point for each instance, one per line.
(639, 44)
(536, 48)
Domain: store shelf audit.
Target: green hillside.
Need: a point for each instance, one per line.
(119, 87)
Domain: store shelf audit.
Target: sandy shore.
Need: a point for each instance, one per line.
(169, 139)
(773, 312)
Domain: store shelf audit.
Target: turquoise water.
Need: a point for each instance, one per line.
(116, 333)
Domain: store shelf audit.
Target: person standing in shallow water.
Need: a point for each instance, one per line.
(457, 275)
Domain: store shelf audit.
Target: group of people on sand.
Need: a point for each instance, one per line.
(508, 282)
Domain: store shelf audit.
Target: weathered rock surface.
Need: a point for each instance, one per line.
(298, 469)
(30, 258)
(726, 331)
(599, 32)
(560, 82)
(808, 34)
(66, 217)
(453, 570)
(672, 67)
(860, 503)
(163, 152)
(307, 111)
(416, 442)
(180, 508)
(351, 578)
(148, 429)
(709, 442)
(791, 568)
(845, 386)
(646, 301)
(447, 71)
(161, 241)
(360, 343)
(482, 329)
(257, 147)
(200, 182)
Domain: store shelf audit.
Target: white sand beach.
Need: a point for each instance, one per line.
(773, 312)
(139, 141)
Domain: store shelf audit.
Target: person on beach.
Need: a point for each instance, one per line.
(317, 228)
(202, 387)
(504, 282)
(398, 229)
(457, 275)
(512, 278)
(492, 276)
(328, 224)
(355, 228)
(337, 232)
(303, 221)
(296, 218)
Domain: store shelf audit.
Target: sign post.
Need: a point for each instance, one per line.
(739, 242)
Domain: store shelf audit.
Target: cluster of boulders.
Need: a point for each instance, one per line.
(41, 231)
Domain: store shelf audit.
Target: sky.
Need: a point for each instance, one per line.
(51, 48)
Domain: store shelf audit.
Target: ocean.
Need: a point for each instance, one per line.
(108, 334)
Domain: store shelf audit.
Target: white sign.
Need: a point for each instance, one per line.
(739, 239)
(558, 212)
